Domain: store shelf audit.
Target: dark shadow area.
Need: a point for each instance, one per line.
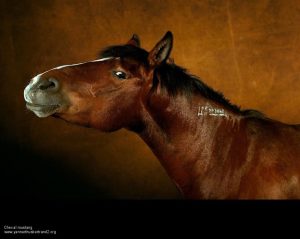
(27, 175)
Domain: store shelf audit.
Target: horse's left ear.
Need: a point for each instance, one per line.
(161, 51)
(134, 41)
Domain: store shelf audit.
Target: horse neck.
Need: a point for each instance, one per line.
(182, 133)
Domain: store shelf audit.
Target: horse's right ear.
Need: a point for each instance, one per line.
(161, 51)
(134, 41)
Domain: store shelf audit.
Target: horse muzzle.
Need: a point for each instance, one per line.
(43, 96)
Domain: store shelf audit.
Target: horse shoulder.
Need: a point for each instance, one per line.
(275, 159)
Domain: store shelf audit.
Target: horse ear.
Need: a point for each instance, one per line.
(134, 41)
(161, 51)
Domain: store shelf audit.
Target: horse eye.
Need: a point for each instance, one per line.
(120, 74)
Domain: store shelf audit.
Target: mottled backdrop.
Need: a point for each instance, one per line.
(249, 50)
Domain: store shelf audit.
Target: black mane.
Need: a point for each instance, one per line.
(125, 51)
(176, 80)
(173, 78)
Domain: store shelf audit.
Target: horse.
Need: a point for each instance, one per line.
(209, 147)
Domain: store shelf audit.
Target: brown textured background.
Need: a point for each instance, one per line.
(249, 50)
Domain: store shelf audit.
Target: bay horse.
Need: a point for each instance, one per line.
(210, 148)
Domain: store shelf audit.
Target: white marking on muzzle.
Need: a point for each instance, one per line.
(37, 77)
(29, 86)
(77, 64)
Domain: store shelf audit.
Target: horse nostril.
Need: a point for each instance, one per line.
(51, 83)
